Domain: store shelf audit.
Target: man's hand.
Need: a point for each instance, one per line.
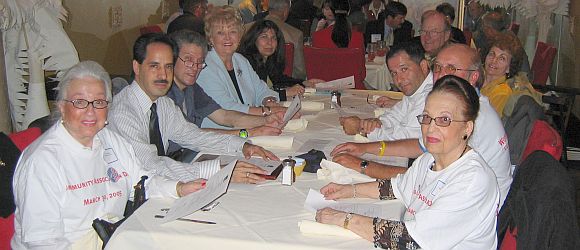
(264, 130)
(294, 90)
(350, 125)
(250, 150)
(356, 149)
(247, 173)
(368, 125)
(386, 102)
(185, 188)
(348, 161)
(274, 119)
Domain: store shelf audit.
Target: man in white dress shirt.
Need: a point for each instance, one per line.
(132, 110)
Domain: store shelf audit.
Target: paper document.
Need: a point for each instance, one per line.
(392, 210)
(216, 186)
(294, 107)
(343, 83)
(319, 144)
(269, 166)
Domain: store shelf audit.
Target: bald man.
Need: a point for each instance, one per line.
(435, 32)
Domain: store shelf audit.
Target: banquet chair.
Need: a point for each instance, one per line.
(289, 57)
(542, 63)
(11, 150)
(334, 63)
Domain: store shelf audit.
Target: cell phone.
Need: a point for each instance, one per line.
(274, 174)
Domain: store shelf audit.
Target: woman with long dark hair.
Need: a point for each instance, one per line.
(263, 46)
(340, 34)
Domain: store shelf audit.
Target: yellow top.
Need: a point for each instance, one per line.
(498, 91)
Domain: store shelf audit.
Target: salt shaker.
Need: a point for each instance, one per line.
(288, 171)
(335, 98)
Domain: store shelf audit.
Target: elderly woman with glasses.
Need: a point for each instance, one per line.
(448, 191)
(79, 170)
(229, 78)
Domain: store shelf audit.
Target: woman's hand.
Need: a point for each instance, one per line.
(274, 119)
(333, 191)
(348, 161)
(295, 90)
(312, 82)
(185, 188)
(247, 173)
(321, 24)
(330, 216)
(356, 149)
(264, 130)
(386, 102)
(250, 150)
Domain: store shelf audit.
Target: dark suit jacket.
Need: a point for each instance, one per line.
(401, 34)
(457, 36)
(187, 21)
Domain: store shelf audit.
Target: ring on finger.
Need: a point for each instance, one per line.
(247, 174)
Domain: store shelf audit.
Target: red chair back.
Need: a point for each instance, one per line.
(542, 63)
(543, 137)
(150, 29)
(289, 57)
(334, 63)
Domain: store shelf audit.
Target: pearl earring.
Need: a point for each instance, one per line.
(106, 122)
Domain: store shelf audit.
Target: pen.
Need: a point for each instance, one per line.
(189, 220)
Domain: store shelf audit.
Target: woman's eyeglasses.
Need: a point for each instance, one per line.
(190, 63)
(448, 69)
(83, 104)
(441, 121)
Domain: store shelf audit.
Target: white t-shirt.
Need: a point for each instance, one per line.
(490, 141)
(400, 121)
(60, 186)
(455, 208)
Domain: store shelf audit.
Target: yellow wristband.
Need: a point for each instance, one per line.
(383, 147)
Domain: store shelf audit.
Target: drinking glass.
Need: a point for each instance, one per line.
(371, 52)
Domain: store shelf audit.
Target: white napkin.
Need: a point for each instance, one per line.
(308, 105)
(296, 125)
(283, 142)
(309, 227)
(380, 111)
(337, 173)
(360, 139)
(309, 90)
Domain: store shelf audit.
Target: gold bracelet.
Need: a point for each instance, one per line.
(353, 190)
(347, 220)
(382, 149)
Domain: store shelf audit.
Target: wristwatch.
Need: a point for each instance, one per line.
(244, 133)
(363, 166)
(347, 220)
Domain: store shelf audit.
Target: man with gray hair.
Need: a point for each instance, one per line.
(278, 13)
(435, 32)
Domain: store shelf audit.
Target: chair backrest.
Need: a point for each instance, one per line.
(289, 57)
(542, 63)
(335, 63)
(150, 29)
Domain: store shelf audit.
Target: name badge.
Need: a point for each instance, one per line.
(375, 38)
(109, 156)
(438, 187)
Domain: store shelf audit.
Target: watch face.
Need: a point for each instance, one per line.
(243, 133)
(364, 164)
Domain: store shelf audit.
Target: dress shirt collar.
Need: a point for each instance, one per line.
(143, 100)
(427, 85)
(70, 142)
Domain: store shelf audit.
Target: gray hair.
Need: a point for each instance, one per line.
(429, 13)
(278, 4)
(184, 36)
(81, 70)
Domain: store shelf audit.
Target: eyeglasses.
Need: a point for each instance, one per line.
(448, 69)
(430, 32)
(190, 63)
(83, 104)
(441, 121)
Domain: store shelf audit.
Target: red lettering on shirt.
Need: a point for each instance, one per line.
(86, 184)
(503, 142)
(422, 198)
(105, 197)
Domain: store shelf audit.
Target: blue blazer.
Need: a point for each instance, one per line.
(216, 82)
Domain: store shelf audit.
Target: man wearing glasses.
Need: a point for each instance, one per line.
(435, 32)
(197, 105)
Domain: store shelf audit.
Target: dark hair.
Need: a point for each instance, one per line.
(140, 46)
(413, 49)
(395, 8)
(190, 5)
(341, 33)
(249, 50)
(461, 89)
(447, 10)
(184, 36)
(511, 44)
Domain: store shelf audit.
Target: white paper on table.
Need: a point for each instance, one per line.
(216, 186)
(269, 166)
(294, 107)
(308, 227)
(315, 201)
(314, 144)
(266, 141)
(387, 160)
(342, 83)
(307, 105)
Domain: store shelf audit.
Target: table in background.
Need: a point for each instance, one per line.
(378, 75)
(262, 216)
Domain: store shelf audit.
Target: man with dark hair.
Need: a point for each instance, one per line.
(411, 75)
(148, 119)
(389, 20)
(192, 19)
(449, 12)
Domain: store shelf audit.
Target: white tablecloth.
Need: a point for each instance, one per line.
(255, 216)
(378, 75)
